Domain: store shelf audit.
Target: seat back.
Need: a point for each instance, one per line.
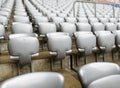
(111, 26)
(3, 20)
(83, 26)
(86, 43)
(106, 82)
(23, 47)
(103, 41)
(71, 19)
(93, 20)
(57, 21)
(18, 27)
(93, 71)
(104, 20)
(5, 13)
(54, 44)
(40, 19)
(20, 13)
(82, 20)
(21, 19)
(98, 27)
(11, 36)
(36, 80)
(45, 28)
(113, 20)
(68, 28)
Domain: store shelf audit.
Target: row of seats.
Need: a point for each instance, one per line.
(86, 42)
(70, 28)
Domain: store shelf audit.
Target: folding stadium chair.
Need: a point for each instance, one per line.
(71, 19)
(68, 28)
(45, 28)
(57, 21)
(22, 49)
(86, 44)
(103, 37)
(86, 72)
(106, 82)
(57, 51)
(35, 80)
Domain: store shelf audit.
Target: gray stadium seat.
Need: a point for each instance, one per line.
(22, 49)
(86, 72)
(106, 82)
(35, 80)
(55, 48)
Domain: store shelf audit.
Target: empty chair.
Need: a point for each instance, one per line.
(97, 33)
(4, 21)
(35, 13)
(5, 9)
(71, 19)
(82, 20)
(5, 13)
(57, 21)
(98, 27)
(111, 26)
(18, 27)
(45, 28)
(21, 19)
(103, 37)
(104, 20)
(86, 72)
(40, 19)
(93, 20)
(57, 51)
(20, 13)
(113, 20)
(35, 80)
(50, 15)
(106, 82)
(22, 49)
(85, 43)
(83, 26)
(2, 35)
(68, 28)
